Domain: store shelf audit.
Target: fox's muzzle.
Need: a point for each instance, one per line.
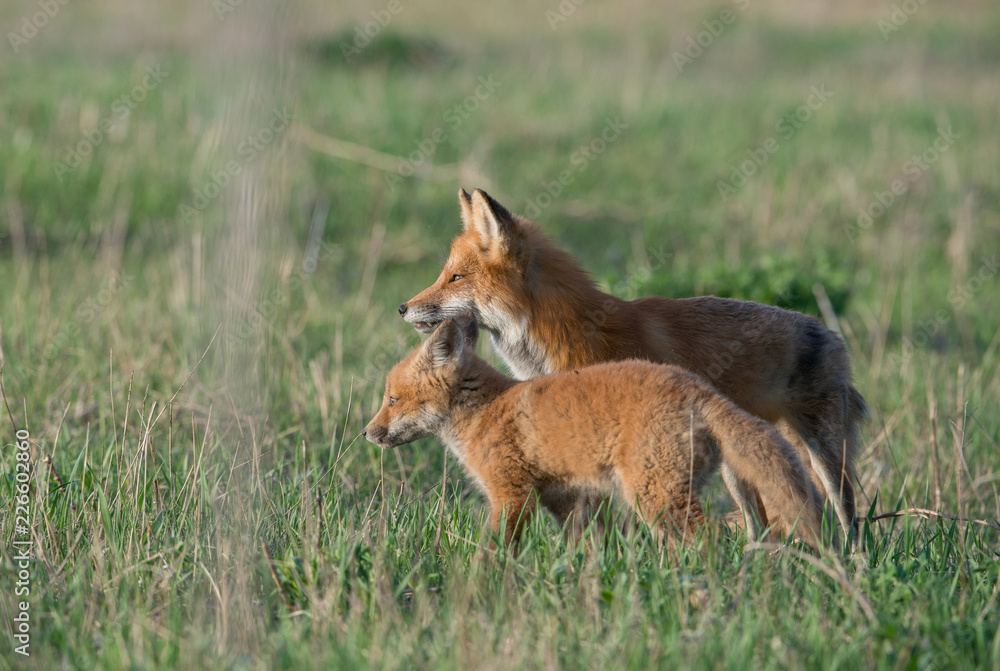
(422, 326)
(376, 434)
(424, 319)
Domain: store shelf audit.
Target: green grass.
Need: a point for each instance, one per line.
(178, 458)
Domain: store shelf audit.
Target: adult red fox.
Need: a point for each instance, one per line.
(545, 314)
(649, 433)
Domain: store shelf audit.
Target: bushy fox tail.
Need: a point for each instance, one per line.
(857, 409)
(759, 462)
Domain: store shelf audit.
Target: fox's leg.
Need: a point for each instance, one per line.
(749, 503)
(832, 445)
(570, 507)
(836, 475)
(669, 507)
(671, 522)
(518, 505)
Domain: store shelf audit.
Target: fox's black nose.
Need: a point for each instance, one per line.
(364, 432)
(402, 309)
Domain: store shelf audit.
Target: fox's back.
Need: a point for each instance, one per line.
(752, 353)
(584, 421)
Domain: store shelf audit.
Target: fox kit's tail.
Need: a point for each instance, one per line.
(756, 457)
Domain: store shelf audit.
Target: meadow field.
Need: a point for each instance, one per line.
(209, 212)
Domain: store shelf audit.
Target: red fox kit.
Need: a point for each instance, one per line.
(546, 315)
(650, 434)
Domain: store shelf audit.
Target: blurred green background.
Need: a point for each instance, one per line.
(275, 178)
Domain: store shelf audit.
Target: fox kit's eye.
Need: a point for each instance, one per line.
(392, 401)
(455, 278)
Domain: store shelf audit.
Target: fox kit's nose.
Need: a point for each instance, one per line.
(375, 434)
(402, 309)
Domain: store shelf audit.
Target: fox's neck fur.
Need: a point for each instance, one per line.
(480, 385)
(560, 297)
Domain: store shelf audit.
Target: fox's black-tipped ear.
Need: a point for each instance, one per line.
(445, 344)
(465, 202)
(470, 329)
(492, 221)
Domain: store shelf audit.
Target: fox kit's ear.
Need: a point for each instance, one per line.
(470, 329)
(445, 344)
(492, 221)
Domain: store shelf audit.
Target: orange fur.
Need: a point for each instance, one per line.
(545, 315)
(648, 433)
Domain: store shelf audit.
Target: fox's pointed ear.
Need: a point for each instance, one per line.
(445, 344)
(465, 202)
(492, 221)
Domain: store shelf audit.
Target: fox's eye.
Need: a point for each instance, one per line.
(392, 401)
(456, 278)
